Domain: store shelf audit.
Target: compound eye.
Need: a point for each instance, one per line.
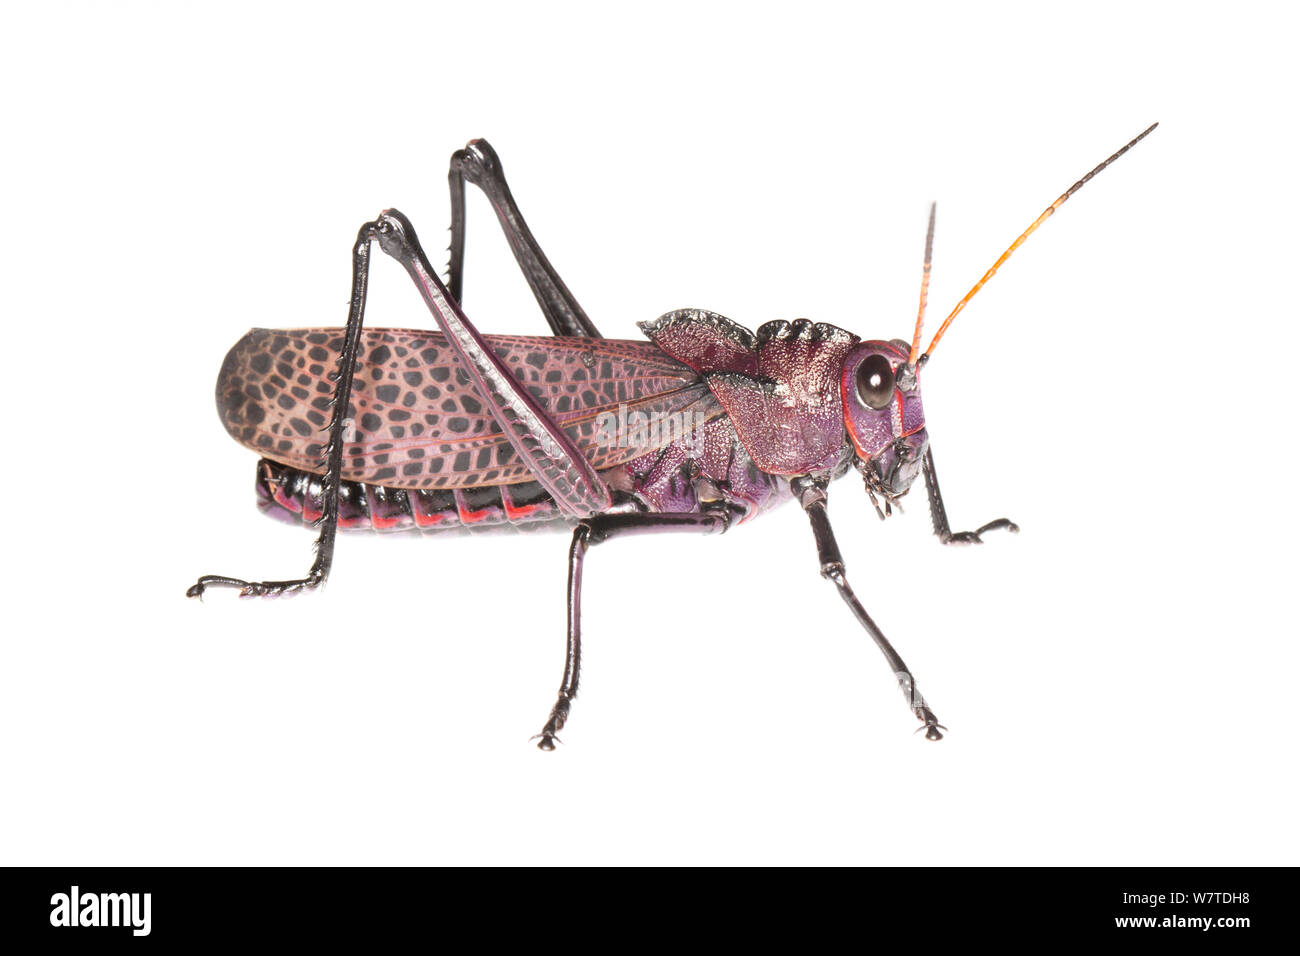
(875, 382)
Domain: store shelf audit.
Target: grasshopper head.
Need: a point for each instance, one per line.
(881, 395)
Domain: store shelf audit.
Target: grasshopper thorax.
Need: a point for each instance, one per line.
(801, 394)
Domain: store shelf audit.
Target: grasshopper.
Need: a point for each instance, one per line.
(702, 426)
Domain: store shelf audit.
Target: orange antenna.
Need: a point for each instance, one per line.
(1026, 234)
(925, 291)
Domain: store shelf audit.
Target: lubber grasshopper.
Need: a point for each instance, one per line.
(395, 429)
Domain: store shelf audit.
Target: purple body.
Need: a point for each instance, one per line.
(778, 403)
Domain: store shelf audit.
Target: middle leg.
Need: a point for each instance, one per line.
(591, 531)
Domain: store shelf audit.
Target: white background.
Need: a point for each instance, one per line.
(1118, 680)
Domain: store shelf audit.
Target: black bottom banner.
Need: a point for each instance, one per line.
(133, 907)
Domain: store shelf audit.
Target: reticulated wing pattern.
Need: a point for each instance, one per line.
(415, 419)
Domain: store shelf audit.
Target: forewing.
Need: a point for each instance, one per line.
(416, 420)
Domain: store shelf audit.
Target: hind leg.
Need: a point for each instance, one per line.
(479, 164)
(333, 464)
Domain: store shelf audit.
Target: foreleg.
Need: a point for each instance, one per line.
(939, 514)
(811, 495)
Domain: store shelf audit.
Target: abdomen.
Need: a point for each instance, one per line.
(294, 496)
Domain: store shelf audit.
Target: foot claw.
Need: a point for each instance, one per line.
(546, 742)
(932, 731)
(976, 536)
(998, 524)
(251, 589)
(554, 724)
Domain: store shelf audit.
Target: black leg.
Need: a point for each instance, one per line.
(555, 461)
(811, 494)
(939, 514)
(591, 531)
(333, 463)
(479, 164)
